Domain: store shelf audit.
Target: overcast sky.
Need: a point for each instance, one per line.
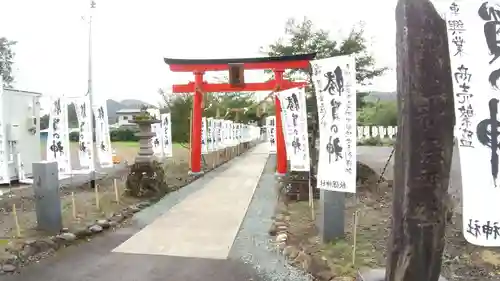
(132, 37)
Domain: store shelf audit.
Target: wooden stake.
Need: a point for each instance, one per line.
(354, 236)
(97, 203)
(16, 221)
(117, 193)
(73, 205)
(311, 199)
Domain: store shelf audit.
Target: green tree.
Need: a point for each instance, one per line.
(7, 55)
(44, 122)
(180, 105)
(303, 38)
(72, 118)
(380, 113)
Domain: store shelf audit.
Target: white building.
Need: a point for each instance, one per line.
(125, 115)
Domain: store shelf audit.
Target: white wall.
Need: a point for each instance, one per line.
(124, 118)
(19, 108)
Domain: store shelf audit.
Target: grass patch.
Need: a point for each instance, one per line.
(125, 144)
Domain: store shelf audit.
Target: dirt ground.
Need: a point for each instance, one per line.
(461, 261)
(84, 210)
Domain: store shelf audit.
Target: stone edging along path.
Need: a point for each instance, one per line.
(22, 252)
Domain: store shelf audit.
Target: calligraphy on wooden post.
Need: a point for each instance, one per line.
(475, 68)
(58, 137)
(335, 82)
(293, 103)
(166, 137)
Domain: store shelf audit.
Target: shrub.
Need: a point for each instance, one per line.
(123, 134)
(120, 134)
(74, 136)
(375, 141)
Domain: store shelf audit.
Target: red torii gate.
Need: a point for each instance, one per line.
(236, 69)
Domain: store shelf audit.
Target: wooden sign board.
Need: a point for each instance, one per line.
(236, 75)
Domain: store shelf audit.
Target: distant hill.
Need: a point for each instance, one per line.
(131, 103)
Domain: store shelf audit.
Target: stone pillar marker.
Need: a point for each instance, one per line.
(330, 218)
(424, 146)
(47, 197)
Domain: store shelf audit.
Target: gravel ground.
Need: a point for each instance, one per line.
(253, 245)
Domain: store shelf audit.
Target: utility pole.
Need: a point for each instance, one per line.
(95, 163)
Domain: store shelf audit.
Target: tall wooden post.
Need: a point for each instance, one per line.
(281, 161)
(196, 125)
(424, 144)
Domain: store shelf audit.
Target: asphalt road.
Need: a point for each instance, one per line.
(376, 157)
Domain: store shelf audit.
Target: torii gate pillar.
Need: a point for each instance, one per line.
(196, 126)
(281, 160)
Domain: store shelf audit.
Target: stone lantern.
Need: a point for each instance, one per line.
(147, 176)
(144, 122)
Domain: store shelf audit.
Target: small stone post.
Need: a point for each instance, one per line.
(47, 198)
(330, 218)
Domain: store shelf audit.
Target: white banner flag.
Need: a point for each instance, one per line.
(220, 135)
(240, 133)
(4, 155)
(271, 133)
(157, 139)
(233, 134)
(227, 135)
(204, 144)
(167, 134)
(210, 134)
(287, 134)
(475, 69)
(85, 143)
(103, 141)
(293, 104)
(335, 80)
(58, 138)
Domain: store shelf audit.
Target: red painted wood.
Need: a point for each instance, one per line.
(196, 127)
(278, 65)
(281, 159)
(249, 87)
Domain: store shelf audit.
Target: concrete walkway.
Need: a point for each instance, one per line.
(205, 224)
(214, 229)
